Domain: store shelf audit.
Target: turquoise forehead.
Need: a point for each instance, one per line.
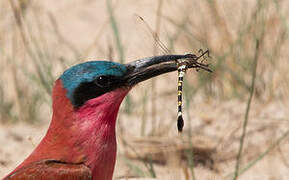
(87, 72)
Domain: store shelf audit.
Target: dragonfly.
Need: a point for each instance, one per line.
(182, 67)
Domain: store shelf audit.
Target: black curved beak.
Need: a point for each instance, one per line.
(143, 69)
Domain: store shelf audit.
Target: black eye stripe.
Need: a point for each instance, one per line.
(99, 86)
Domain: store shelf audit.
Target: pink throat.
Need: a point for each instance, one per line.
(96, 121)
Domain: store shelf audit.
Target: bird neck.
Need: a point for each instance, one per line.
(84, 135)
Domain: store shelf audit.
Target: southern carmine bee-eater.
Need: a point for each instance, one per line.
(80, 142)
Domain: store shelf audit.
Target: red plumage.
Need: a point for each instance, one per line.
(50, 170)
(80, 143)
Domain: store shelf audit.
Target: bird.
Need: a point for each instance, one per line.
(80, 142)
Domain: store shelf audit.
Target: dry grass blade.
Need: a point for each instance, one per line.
(242, 139)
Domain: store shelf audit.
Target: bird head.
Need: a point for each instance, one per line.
(93, 79)
(86, 81)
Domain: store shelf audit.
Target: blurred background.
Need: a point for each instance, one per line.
(236, 118)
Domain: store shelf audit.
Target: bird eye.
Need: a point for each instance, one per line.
(103, 81)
